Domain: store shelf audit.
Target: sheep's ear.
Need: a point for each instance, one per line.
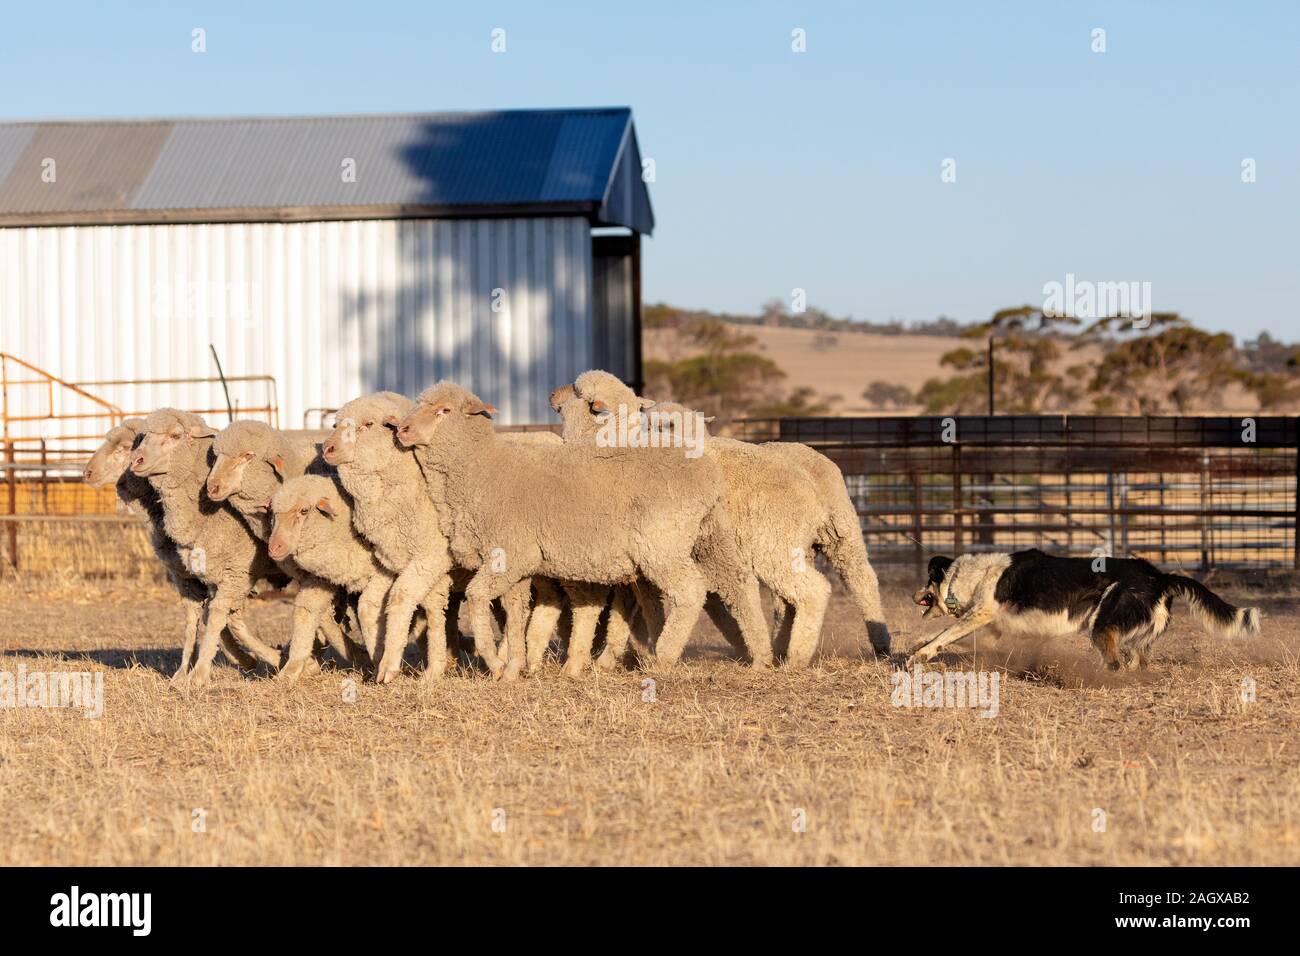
(644, 403)
(278, 464)
(709, 418)
(202, 431)
(390, 421)
(560, 396)
(325, 508)
(598, 406)
(476, 406)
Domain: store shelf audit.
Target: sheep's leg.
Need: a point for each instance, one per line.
(587, 601)
(682, 591)
(194, 613)
(809, 593)
(618, 628)
(413, 586)
(724, 622)
(516, 602)
(370, 610)
(452, 625)
(329, 629)
(436, 607)
(218, 614)
(485, 587)
(650, 622)
(249, 646)
(547, 607)
(738, 590)
(781, 630)
(847, 554)
(314, 599)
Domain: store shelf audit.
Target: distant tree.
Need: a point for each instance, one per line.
(1026, 356)
(888, 395)
(1168, 366)
(823, 341)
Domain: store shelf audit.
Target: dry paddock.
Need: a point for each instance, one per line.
(724, 766)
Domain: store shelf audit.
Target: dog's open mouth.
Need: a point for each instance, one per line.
(926, 601)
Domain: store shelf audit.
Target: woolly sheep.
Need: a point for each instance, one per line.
(391, 509)
(511, 513)
(108, 466)
(211, 540)
(312, 524)
(839, 534)
(773, 505)
(252, 460)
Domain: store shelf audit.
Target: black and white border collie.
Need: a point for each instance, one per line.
(1122, 604)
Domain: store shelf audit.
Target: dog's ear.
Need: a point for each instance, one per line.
(938, 567)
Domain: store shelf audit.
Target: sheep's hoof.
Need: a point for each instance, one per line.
(512, 672)
(200, 676)
(387, 673)
(180, 678)
(431, 674)
(607, 661)
(574, 670)
(293, 670)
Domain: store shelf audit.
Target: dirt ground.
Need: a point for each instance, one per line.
(1175, 765)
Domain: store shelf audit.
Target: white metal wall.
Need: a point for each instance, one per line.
(330, 309)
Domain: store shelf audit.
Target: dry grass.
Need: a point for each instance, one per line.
(712, 772)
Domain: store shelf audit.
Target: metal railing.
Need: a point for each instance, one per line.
(1196, 492)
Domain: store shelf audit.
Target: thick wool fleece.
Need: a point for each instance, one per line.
(274, 457)
(329, 547)
(211, 540)
(838, 534)
(109, 463)
(392, 510)
(571, 512)
(773, 509)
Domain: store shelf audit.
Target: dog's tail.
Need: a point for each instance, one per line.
(1216, 615)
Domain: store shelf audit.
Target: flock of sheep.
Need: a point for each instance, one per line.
(409, 508)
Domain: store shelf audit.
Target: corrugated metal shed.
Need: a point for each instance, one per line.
(517, 162)
(330, 309)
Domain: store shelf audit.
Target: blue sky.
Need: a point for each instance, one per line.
(819, 170)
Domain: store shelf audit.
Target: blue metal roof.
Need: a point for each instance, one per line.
(514, 162)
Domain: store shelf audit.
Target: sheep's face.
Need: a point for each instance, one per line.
(160, 444)
(112, 458)
(227, 475)
(350, 433)
(438, 408)
(289, 518)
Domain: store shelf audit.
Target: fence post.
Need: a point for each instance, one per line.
(12, 482)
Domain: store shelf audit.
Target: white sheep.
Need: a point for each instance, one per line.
(573, 513)
(212, 541)
(108, 466)
(392, 511)
(838, 532)
(312, 524)
(252, 461)
(772, 503)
